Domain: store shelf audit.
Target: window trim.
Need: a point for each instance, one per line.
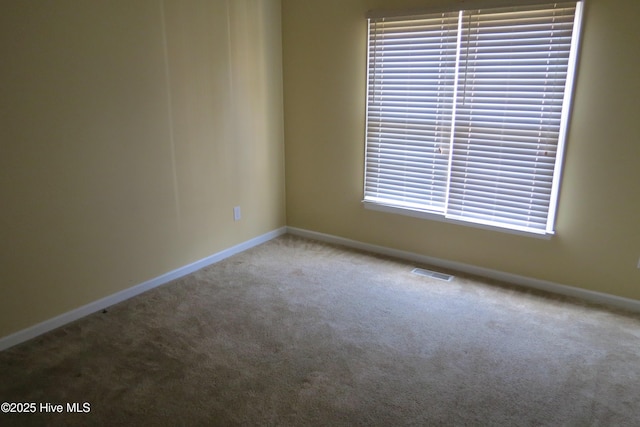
(460, 5)
(561, 141)
(436, 216)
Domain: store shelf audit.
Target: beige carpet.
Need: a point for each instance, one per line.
(296, 332)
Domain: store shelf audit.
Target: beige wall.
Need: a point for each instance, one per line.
(597, 245)
(128, 131)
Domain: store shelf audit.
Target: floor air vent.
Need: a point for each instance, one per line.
(432, 274)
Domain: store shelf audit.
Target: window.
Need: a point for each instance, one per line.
(467, 113)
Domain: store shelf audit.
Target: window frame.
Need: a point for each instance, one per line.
(425, 212)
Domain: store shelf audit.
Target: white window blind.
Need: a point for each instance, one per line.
(467, 111)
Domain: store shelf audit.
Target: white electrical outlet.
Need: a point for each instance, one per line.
(638, 262)
(236, 213)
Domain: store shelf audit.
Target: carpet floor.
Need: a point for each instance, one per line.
(296, 332)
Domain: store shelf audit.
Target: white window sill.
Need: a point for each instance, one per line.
(435, 216)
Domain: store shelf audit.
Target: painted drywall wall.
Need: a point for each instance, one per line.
(597, 244)
(128, 131)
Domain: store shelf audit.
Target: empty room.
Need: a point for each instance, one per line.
(320, 212)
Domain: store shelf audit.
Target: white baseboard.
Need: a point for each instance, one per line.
(63, 319)
(528, 282)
